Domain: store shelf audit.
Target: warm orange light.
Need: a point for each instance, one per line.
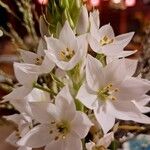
(94, 2)
(130, 3)
(43, 2)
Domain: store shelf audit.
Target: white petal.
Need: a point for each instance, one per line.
(94, 44)
(115, 72)
(17, 94)
(94, 23)
(55, 112)
(41, 47)
(126, 53)
(12, 139)
(54, 45)
(73, 143)
(15, 118)
(37, 137)
(105, 119)
(26, 74)
(39, 111)
(24, 148)
(28, 57)
(94, 75)
(106, 140)
(143, 100)
(65, 65)
(142, 108)
(87, 96)
(47, 65)
(132, 88)
(55, 145)
(124, 39)
(81, 124)
(106, 30)
(131, 65)
(83, 22)
(67, 36)
(71, 64)
(37, 95)
(82, 44)
(127, 111)
(64, 101)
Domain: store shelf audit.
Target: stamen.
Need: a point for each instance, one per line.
(105, 40)
(107, 93)
(66, 54)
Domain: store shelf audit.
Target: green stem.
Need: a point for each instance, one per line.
(44, 89)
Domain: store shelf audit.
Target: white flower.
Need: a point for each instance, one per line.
(61, 126)
(109, 91)
(39, 58)
(26, 75)
(68, 50)
(104, 41)
(103, 143)
(141, 102)
(86, 23)
(24, 123)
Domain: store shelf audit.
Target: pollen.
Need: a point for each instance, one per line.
(39, 60)
(105, 40)
(66, 54)
(107, 93)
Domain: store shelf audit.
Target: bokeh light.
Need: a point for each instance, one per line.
(43, 2)
(130, 3)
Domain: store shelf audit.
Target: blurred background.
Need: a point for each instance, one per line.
(19, 21)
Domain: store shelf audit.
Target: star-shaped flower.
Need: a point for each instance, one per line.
(68, 50)
(61, 126)
(109, 91)
(103, 40)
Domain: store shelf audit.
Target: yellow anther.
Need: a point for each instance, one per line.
(105, 40)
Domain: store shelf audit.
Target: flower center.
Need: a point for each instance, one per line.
(39, 60)
(66, 54)
(60, 130)
(107, 93)
(105, 40)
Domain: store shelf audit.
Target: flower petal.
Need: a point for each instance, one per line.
(24, 148)
(87, 96)
(55, 145)
(17, 94)
(39, 111)
(26, 74)
(47, 65)
(115, 72)
(106, 30)
(83, 22)
(105, 119)
(94, 75)
(124, 39)
(54, 46)
(37, 137)
(28, 57)
(73, 143)
(37, 95)
(64, 101)
(94, 44)
(81, 124)
(132, 88)
(67, 36)
(12, 139)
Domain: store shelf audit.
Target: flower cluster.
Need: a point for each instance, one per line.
(81, 92)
